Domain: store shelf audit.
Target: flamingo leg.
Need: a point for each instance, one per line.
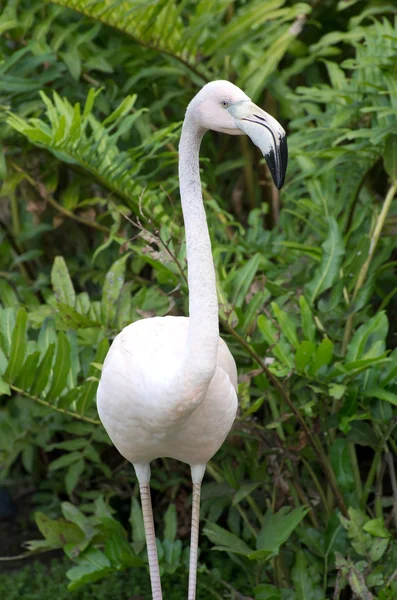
(148, 522)
(143, 473)
(197, 476)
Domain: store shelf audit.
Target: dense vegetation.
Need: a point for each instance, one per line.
(301, 501)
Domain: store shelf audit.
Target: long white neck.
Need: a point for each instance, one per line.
(202, 346)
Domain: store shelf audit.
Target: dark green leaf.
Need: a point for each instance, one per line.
(73, 475)
(18, 347)
(278, 527)
(390, 156)
(61, 367)
(328, 271)
(43, 372)
(93, 565)
(341, 464)
(224, 540)
(170, 523)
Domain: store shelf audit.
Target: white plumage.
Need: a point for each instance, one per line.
(154, 417)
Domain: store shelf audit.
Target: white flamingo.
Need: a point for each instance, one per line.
(168, 384)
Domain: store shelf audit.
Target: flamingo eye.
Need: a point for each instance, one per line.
(225, 103)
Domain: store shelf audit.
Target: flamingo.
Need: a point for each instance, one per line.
(168, 386)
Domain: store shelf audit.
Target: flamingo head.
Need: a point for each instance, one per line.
(224, 107)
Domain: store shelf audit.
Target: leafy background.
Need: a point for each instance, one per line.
(301, 501)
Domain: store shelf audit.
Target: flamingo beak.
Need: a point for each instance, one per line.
(266, 133)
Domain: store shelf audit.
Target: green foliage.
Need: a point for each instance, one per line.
(298, 505)
(48, 581)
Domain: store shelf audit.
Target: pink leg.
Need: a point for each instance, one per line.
(151, 541)
(197, 476)
(143, 474)
(194, 541)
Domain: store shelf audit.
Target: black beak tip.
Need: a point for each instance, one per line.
(277, 161)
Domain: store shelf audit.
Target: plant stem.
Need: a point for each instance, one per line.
(371, 475)
(41, 189)
(16, 224)
(379, 490)
(364, 269)
(276, 415)
(317, 484)
(247, 521)
(305, 502)
(64, 411)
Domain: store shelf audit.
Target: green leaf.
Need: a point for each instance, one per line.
(112, 287)
(225, 541)
(18, 347)
(304, 355)
(47, 335)
(357, 366)
(282, 351)
(265, 591)
(61, 367)
(390, 156)
(244, 490)
(7, 325)
(360, 540)
(382, 395)
(376, 527)
(268, 330)
(366, 336)
(278, 527)
(323, 355)
(120, 553)
(136, 521)
(4, 388)
(74, 444)
(73, 475)
(58, 532)
(8, 297)
(62, 283)
(307, 321)
(172, 554)
(377, 548)
(93, 565)
(43, 372)
(64, 461)
(286, 324)
(88, 391)
(328, 271)
(336, 390)
(170, 523)
(341, 464)
(238, 283)
(73, 514)
(305, 580)
(28, 372)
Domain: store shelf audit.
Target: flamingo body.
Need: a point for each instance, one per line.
(168, 384)
(142, 413)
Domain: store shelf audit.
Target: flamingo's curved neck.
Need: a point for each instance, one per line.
(202, 347)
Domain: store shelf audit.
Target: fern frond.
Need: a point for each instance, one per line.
(155, 25)
(75, 136)
(197, 34)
